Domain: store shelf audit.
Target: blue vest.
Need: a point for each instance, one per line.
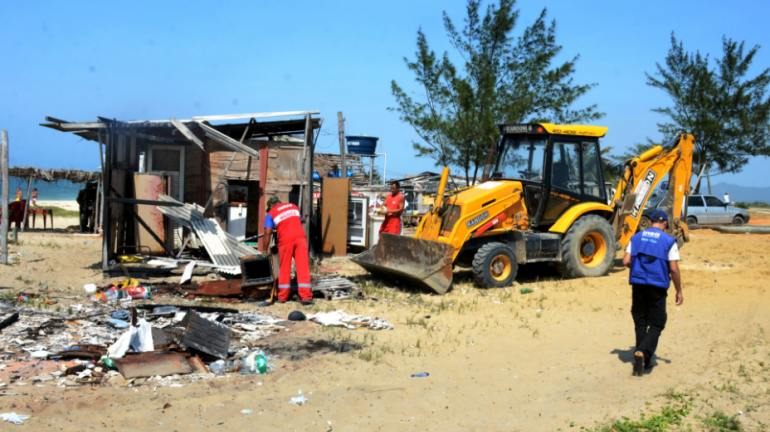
(649, 258)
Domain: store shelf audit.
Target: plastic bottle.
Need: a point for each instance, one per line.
(165, 310)
(136, 292)
(526, 290)
(109, 295)
(420, 375)
(217, 368)
(260, 362)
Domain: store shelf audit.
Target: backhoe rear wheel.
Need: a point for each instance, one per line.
(587, 249)
(494, 265)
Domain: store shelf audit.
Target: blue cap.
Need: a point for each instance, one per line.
(659, 216)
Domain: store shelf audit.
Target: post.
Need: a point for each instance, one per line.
(97, 216)
(102, 162)
(26, 206)
(341, 130)
(307, 174)
(708, 177)
(264, 242)
(6, 219)
(371, 170)
(106, 208)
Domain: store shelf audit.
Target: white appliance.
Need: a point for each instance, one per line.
(236, 221)
(375, 222)
(358, 213)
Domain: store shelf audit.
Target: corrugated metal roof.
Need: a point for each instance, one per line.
(226, 140)
(224, 249)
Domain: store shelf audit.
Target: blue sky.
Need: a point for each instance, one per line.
(154, 60)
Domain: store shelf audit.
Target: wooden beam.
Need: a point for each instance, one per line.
(5, 219)
(151, 137)
(227, 141)
(243, 116)
(26, 205)
(263, 149)
(142, 202)
(341, 131)
(187, 133)
(82, 125)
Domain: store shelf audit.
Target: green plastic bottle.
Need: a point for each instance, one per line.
(526, 291)
(261, 363)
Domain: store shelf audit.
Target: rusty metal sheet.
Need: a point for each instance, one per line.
(148, 187)
(82, 352)
(197, 365)
(145, 365)
(225, 288)
(206, 336)
(334, 215)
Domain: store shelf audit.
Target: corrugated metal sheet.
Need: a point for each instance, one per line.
(224, 249)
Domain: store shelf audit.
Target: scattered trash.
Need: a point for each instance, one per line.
(740, 412)
(14, 418)
(256, 363)
(40, 354)
(247, 411)
(526, 290)
(299, 400)
(122, 315)
(119, 324)
(420, 375)
(339, 318)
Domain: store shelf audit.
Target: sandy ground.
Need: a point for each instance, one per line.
(498, 360)
(59, 223)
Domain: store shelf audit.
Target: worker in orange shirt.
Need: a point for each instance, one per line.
(285, 219)
(394, 205)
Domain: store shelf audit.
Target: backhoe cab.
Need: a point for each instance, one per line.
(545, 202)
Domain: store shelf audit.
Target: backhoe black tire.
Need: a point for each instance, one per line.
(644, 223)
(494, 266)
(587, 249)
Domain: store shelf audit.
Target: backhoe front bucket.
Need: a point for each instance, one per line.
(417, 262)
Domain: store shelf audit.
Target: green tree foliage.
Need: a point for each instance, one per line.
(502, 80)
(726, 111)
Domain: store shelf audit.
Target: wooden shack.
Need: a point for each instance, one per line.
(228, 164)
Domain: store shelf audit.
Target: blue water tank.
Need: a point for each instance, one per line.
(362, 144)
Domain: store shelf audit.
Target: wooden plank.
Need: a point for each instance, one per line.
(226, 140)
(341, 131)
(263, 151)
(26, 204)
(82, 125)
(143, 202)
(243, 116)
(227, 168)
(187, 133)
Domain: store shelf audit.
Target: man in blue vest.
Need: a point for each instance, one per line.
(652, 257)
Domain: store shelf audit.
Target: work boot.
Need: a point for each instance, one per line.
(308, 302)
(638, 364)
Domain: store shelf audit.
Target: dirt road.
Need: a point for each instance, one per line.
(497, 359)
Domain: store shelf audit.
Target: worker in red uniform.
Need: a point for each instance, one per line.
(394, 203)
(292, 243)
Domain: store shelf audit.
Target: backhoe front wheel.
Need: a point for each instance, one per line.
(587, 249)
(494, 265)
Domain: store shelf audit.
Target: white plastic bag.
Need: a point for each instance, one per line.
(119, 348)
(90, 288)
(142, 341)
(299, 400)
(14, 418)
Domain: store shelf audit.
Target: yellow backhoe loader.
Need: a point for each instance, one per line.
(545, 202)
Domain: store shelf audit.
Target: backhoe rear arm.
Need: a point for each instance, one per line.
(640, 177)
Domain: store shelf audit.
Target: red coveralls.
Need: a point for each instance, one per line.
(392, 223)
(286, 221)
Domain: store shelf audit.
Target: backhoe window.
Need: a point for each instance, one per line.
(523, 159)
(591, 167)
(565, 172)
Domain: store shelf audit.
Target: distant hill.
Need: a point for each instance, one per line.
(737, 193)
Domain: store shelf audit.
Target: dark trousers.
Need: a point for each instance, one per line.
(648, 308)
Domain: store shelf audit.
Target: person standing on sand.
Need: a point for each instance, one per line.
(394, 204)
(652, 257)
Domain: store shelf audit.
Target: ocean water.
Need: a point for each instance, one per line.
(56, 191)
